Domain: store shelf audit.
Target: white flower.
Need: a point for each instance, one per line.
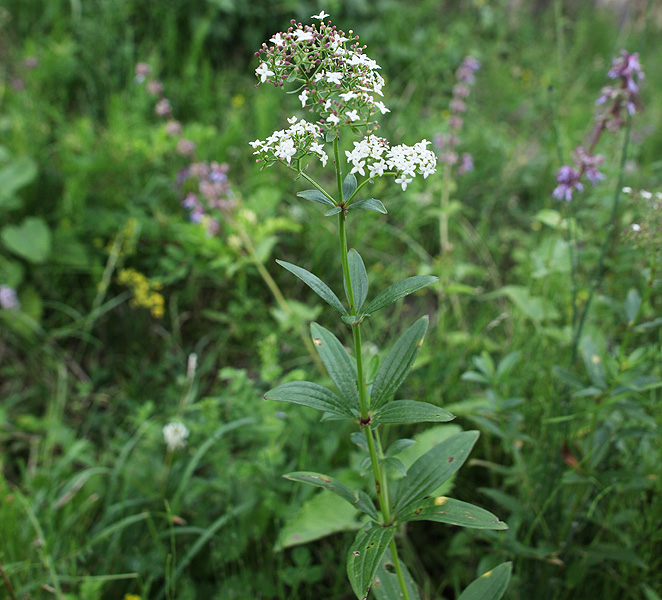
(347, 96)
(352, 115)
(358, 167)
(402, 180)
(334, 77)
(321, 16)
(263, 72)
(292, 119)
(381, 107)
(303, 96)
(303, 36)
(645, 194)
(277, 39)
(333, 119)
(636, 227)
(175, 435)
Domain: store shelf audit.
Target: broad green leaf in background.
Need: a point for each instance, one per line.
(357, 498)
(432, 469)
(306, 526)
(369, 204)
(312, 395)
(396, 365)
(348, 186)
(454, 512)
(365, 555)
(386, 586)
(536, 308)
(399, 290)
(315, 284)
(14, 175)
(338, 363)
(315, 196)
(411, 411)
(632, 305)
(359, 278)
(30, 240)
(490, 586)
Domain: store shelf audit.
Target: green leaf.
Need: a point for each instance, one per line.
(315, 284)
(454, 512)
(312, 395)
(387, 586)
(357, 498)
(369, 204)
(306, 526)
(365, 555)
(349, 186)
(353, 319)
(399, 446)
(396, 365)
(338, 363)
(399, 290)
(330, 136)
(359, 278)
(411, 411)
(30, 240)
(490, 586)
(332, 211)
(432, 469)
(632, 305)
(315, 196)
(18, 173)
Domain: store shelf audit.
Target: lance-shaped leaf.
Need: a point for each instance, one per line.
(310, 394)
(349, 186)
(454, 512)
(316, 196)
(490, 586)
(396, 365)
(365, 555)
(315, 284)
(332, 211)
(338, 363)
(411, 411)
(432, 469)
(369, 204)
(387, 586)
(359, 279)
(399, 290)
(357, 498)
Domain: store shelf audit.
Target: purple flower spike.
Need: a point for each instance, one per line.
(568, 180)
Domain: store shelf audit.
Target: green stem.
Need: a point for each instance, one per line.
(398, 570)
(381, 482)
(444, 242)
(598, 273)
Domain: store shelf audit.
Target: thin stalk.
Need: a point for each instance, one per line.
(444, 243)
(598, 273)
(381, 482)
(278, 296)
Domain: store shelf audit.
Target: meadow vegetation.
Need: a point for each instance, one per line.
(128, 306)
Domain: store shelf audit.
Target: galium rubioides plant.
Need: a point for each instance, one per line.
(340, 86)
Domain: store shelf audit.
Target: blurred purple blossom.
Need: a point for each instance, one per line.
(9, 298)
(568, 180)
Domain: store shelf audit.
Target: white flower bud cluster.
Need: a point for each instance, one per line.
(285, 145)
(375, 154)
(338, 83)
(175, 435)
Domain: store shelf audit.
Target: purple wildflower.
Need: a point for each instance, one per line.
(163, 107)
(154, 87)
(589, 164)
(466, 165)
(185, 147)
(173, 127)
(568, 180)
(142, 70)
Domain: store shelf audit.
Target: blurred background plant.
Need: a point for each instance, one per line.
(89, 376)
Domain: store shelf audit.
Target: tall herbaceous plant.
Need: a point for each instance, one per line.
(341, 88)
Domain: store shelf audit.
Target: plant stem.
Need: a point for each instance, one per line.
(278, 296)
(444, 243)
(381, 482)
(598, 273)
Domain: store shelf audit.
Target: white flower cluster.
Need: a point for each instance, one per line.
(299, 140)
(175, 435)
(375, 154)
(338, 83)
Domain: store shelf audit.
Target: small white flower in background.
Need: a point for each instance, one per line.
(9, 298)
(191, 365)
(175, 435)
(321, 16)
(264, 72)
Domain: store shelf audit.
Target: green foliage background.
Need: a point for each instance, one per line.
(91, 504)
